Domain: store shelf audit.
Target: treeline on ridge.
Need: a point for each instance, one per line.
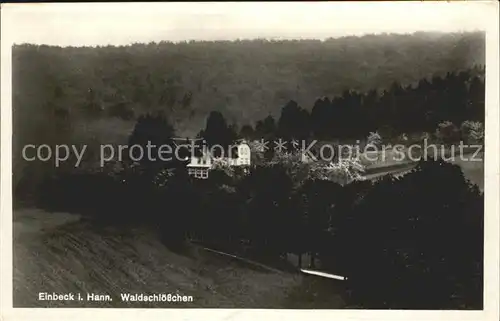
(456, 97)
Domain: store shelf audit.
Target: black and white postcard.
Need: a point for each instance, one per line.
(244, 160)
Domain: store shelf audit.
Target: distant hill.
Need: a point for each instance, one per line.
(245, 80)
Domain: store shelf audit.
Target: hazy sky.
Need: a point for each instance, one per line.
(124, 23)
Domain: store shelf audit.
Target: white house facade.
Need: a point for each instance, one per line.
(199, 167)
(243, 158)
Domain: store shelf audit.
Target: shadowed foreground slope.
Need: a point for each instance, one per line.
(54, 255)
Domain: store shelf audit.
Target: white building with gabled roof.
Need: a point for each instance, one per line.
(243, 155)
(200, 166)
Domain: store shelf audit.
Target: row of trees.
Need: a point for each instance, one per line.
(457, 97)
(450, 108)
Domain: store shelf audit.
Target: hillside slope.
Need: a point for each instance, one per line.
(246, 80)
(55, 252)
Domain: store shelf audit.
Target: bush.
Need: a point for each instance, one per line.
(415, 242)
(343, 170)
(472, 132)
(403, 139)
(425, 136)
(447, 133)
(113, 194)
(317, 200)
(89, 193)
(177, 206)
(266, 198)
(374, 139)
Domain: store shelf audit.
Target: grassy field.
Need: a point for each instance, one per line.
(383, 163)
(58, 252)
(473, 171)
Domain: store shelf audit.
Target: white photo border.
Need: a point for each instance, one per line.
(490, 20)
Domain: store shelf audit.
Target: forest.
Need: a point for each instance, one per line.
(245, 80)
